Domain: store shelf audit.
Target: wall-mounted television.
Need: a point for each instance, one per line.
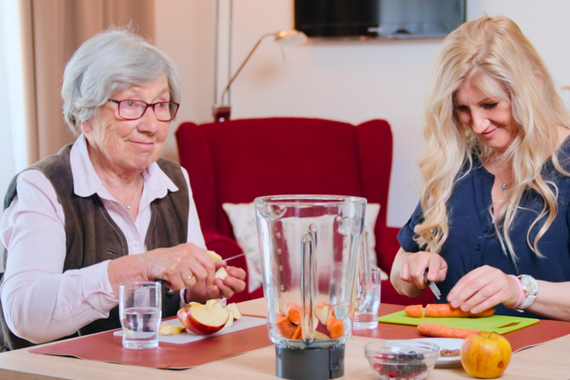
(379, 18)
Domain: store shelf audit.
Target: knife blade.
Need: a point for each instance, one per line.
(435, 290)
(234, 257)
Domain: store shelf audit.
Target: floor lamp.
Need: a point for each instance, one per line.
(222, 111)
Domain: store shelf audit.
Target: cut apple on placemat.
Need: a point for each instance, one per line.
(208, 318)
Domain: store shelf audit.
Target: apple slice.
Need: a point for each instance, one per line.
(202, 319)
(230, 321)
(213, 303)
(166, 329)
(214, 256)
(232, 307)
(323, 313)
(320, 336)
(221, 273)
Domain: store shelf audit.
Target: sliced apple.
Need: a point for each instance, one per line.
(166, 329)
(213, 303)
(230, 321)
(232, 307)
(323, 313)
(221, 273)
(320, 336)
(202, 319)
(214, 256)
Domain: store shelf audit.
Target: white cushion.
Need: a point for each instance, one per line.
(244, 224)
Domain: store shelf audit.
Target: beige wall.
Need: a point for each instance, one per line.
(350, 81)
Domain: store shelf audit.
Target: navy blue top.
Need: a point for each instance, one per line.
(472, 241)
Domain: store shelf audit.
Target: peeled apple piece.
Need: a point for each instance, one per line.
(221, 273)
(214, 256)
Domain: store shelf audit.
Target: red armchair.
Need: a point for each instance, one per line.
(238, 160)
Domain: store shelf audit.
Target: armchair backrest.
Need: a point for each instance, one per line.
(238, 160)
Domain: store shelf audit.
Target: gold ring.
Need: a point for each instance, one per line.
(189, 278)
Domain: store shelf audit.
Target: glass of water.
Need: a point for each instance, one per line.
(140, 312)
(368, 318)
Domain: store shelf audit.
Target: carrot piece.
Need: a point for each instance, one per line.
(285, 327)
(293, 312)
(414, 311)
(445, 310)
(432, 329)
(335, 327)
(298, 333)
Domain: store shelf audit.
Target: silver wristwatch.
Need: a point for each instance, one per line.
(531, 288)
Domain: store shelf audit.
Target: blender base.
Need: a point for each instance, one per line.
(310, 363)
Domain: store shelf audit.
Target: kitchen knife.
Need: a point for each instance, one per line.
(435, 290)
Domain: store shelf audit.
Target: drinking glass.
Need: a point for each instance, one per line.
(140, 312)
(367, 318)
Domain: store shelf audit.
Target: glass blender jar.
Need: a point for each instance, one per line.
(311, 252)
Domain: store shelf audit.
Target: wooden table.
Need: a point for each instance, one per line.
(548, 360)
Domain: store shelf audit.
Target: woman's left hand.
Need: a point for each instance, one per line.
(483, 288)
(226, 288)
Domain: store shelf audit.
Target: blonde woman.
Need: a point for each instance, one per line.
(492, 225)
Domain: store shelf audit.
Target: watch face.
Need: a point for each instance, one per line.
(530, 285)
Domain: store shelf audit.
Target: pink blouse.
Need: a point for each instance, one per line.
(40, 301)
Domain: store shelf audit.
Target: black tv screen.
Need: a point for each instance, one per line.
(378, 18)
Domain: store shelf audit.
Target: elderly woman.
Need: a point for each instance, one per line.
(107, 209)
(492, 225)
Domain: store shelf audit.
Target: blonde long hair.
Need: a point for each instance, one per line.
(493, 52)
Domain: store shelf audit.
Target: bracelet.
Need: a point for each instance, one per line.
(521, 292)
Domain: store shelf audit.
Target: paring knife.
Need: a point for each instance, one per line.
(234, 257)
(435, 290)
(170, 291)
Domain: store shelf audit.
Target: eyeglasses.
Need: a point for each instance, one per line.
(135, 109)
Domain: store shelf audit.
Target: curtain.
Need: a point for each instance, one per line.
(51, 31)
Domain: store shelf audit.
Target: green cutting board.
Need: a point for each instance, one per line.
(500, 324)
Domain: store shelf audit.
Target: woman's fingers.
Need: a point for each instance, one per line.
(483, 288)
(414, 268)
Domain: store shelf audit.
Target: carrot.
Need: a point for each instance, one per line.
(445, 310)
(414, 311)
(298, 333)
(335, 327)
(293, 312)
(285, 327)
(432, 329)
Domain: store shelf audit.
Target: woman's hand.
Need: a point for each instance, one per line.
(483, 288)
(408, 271)
(182, 266)
(226, 288)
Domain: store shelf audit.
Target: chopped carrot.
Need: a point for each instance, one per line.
(432, 329)
(293, 312)
(298, 333)
(445, 310)
(414, 311)
(335, 327)
(285, 327)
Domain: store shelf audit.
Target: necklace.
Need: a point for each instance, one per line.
(128, 206)
(505, 184)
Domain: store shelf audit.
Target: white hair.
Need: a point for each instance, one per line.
(111, 61)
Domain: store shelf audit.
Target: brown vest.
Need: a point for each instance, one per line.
(92, 236)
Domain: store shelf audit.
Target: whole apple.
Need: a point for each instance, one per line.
(485, 355)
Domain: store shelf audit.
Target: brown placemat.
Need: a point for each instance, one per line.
(108, 348)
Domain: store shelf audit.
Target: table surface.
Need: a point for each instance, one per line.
(547, 360)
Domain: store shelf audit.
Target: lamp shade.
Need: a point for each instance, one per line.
(290, 38)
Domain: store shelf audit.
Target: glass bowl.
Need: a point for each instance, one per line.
(401, 359)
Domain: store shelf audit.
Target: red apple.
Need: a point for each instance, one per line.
(485, 355)
(202, 319)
